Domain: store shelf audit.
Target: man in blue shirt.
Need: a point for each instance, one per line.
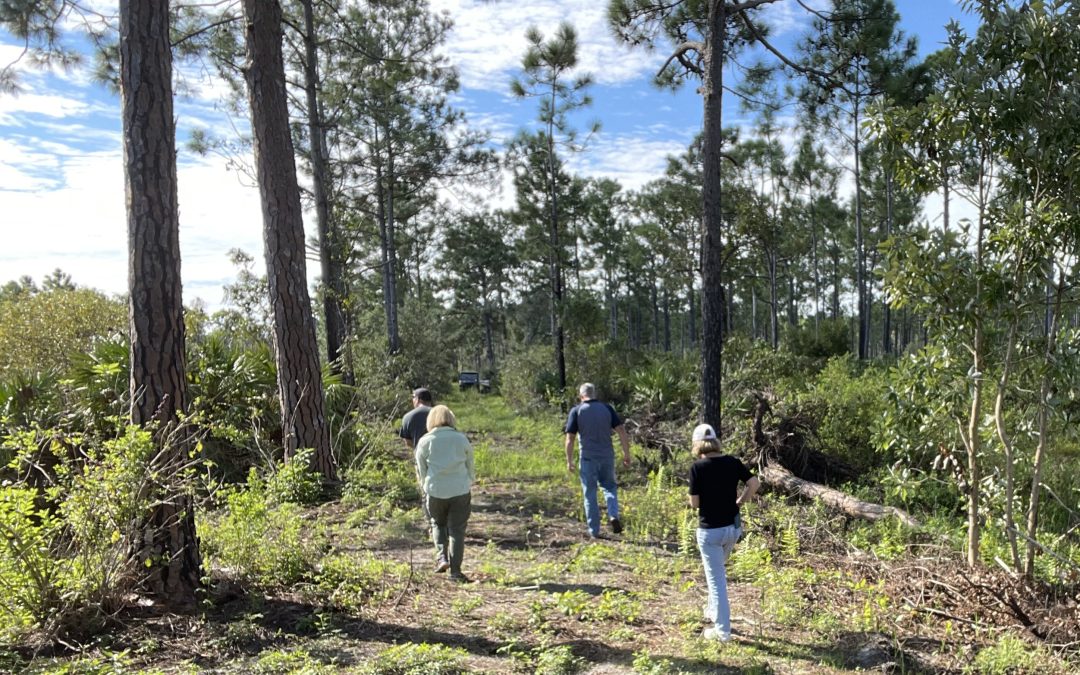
(594, 421)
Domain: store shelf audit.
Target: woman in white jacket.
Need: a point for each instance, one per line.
(444, 462)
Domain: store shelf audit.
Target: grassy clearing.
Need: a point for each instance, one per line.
(544, 599)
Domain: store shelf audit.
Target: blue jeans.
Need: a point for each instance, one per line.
(592, 472)
(716, 545)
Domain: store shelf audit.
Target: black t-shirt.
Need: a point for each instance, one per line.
(414, 424)
(714, 480)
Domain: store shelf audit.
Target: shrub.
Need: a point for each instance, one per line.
(529, 380)
(295, 481)
(257, 540)
(64, 550)
(665, 388)
(848, 406)
(39, 331)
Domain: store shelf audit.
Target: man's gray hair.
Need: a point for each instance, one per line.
(587, 390)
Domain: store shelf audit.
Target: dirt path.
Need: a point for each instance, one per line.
(543, 598)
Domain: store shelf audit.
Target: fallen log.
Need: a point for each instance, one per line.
(777, 476)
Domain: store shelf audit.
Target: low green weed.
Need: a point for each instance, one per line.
(463, 607)
(875, 604)
(296, 662)
(351, 582)
(657, 512)
(557, 660)
(645, 664)
(751, 561)
(1010, 655)
(418, 659)
(379, 488)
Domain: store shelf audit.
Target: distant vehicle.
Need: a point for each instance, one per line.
(470, 378)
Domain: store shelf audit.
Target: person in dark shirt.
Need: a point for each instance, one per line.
(414, 424)
(413, 427)
(594, 421)
(714, 480)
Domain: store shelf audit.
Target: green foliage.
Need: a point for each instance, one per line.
(658, 511)
(558, 660)
(31, 576)
(1009, 655)
(644, 664)
(296, 662)
(847, 403)
(418, 659)
(295, 481)
(40, 331)
(381, 486)
(664, 388)
(233, 390)
(829, 340)
(350, 582)
(257, 540)
(64, 550)
(529, 382)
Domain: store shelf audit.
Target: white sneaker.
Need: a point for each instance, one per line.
(713, 633)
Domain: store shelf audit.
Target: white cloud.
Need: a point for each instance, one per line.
(12, 107)
(488, 40)
(631, 159)
(82, 228)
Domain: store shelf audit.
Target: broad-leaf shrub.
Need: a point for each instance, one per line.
(40, 331)
(65, 549)
(295, 481)
(847, 403)
(258, 540)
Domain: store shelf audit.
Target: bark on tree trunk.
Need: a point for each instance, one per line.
(712, 301)
(391, 253)
(777, 476)
(299, 377)
(330, 266)
(158, 384)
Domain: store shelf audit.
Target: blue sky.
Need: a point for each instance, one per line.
(61, 177)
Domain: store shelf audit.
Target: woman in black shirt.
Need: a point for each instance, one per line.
(714, 479)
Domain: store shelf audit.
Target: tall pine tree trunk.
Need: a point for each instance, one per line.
(712, 299)
(329, 255)
(391, 254)
(557, 334)
(860, 247)
(303, 419)
(158, 384)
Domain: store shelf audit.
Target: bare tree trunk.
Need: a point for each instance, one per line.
(1006, 441)
(299, 376)
(886, 311)
(860, 247)
(712, 307)
(774, 302)
(330, 267)
(391, 253)
(667, 320)
(158, 384)
(557, 333)
(1043, 424)
(974, 438)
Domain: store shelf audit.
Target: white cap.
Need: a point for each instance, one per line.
(703, 432)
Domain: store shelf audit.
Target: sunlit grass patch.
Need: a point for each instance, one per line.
(418, 659)
(352, 582)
